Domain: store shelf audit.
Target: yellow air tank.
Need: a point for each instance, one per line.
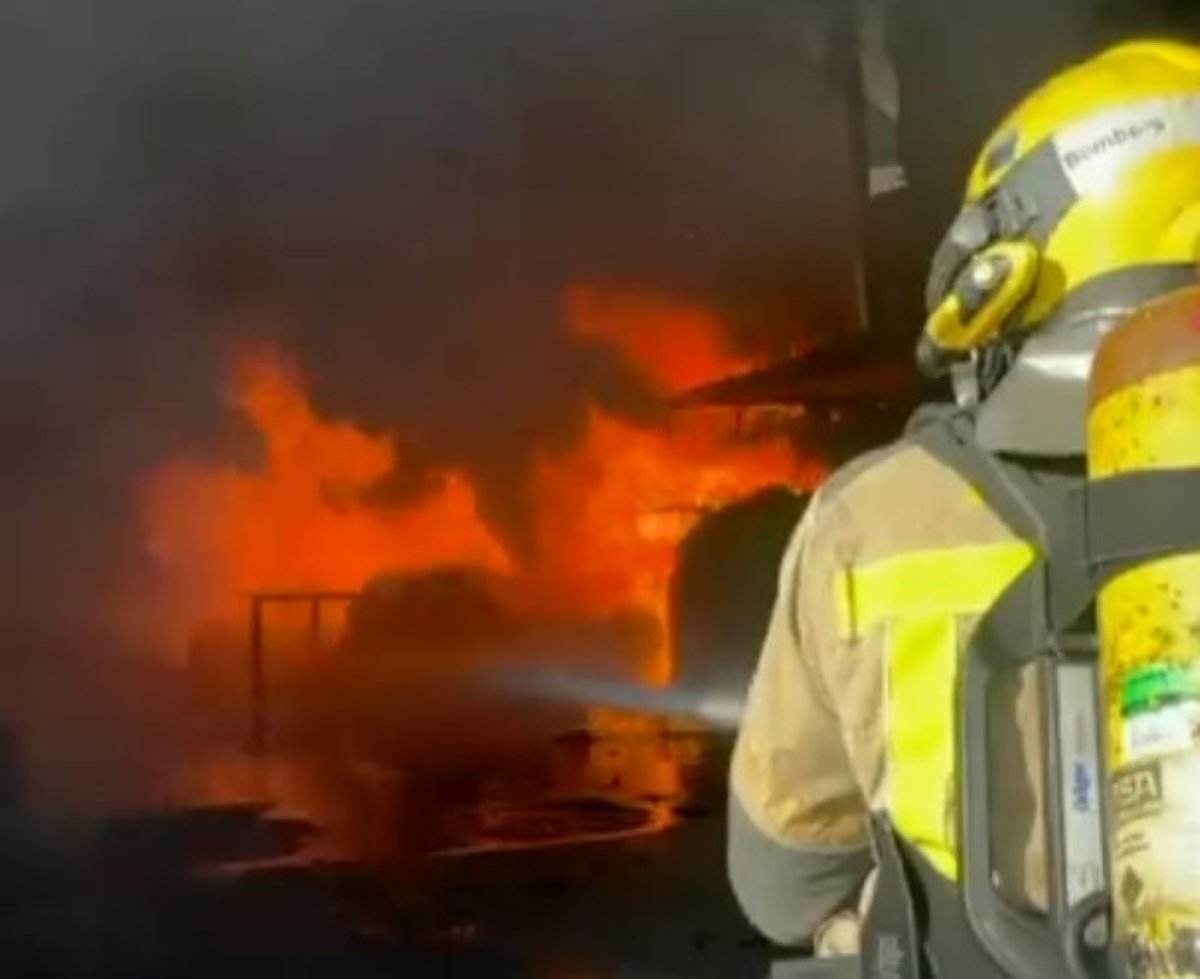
(1145, 415)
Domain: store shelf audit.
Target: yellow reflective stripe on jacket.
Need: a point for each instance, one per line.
(922, 597)
(952, 581)
(922, 662)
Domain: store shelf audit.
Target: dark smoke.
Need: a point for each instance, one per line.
(450, 172)
(395, 192)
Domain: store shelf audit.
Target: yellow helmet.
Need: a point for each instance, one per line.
(1083, 204)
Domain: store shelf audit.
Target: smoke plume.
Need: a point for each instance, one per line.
(397, 194)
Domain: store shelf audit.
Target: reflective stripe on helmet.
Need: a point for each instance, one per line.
(925, 600)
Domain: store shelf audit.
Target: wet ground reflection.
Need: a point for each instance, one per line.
(578, 788)
(598, 858)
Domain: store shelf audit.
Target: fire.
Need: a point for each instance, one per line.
(610, 512)
(614, 511)
(675, 345)
(301, 521)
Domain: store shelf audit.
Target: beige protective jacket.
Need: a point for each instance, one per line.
(851, 708)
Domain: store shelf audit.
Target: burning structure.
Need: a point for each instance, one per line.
(608, 514)
(480, 314)
(436, 317)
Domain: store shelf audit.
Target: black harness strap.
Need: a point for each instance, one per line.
(1013, 632)
(971, 932)
(1100, 528)
(947, 433)
(1140, 516)
(1085, 533)
(891, 944)
(951, 947)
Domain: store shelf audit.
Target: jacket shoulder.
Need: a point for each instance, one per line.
(896, 499)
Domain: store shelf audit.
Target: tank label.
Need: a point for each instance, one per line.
(1160, 732)
(1137, 792)
(1156, 864)
(1160, 709)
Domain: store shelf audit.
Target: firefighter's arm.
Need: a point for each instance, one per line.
(797, 847)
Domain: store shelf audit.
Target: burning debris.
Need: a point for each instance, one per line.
(452, 656)
(337, 314)
(221, 532)
(361, 304)
(609, 512)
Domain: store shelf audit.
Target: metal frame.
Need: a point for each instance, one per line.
(257, 649)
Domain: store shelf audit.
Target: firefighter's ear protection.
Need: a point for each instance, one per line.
(976, 284)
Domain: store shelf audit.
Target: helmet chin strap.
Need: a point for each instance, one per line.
(964, 379)
(975, 376)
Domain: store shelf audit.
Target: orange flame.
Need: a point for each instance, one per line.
(300, 522)
(613, 512)
(610, 513)
(675, 345)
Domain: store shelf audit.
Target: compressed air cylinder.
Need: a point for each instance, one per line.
(1145, 414)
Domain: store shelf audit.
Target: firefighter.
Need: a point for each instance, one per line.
(1083, 206)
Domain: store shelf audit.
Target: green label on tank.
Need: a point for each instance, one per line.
(1151, 688)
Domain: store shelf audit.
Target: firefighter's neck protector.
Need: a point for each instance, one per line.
(1083, 205)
